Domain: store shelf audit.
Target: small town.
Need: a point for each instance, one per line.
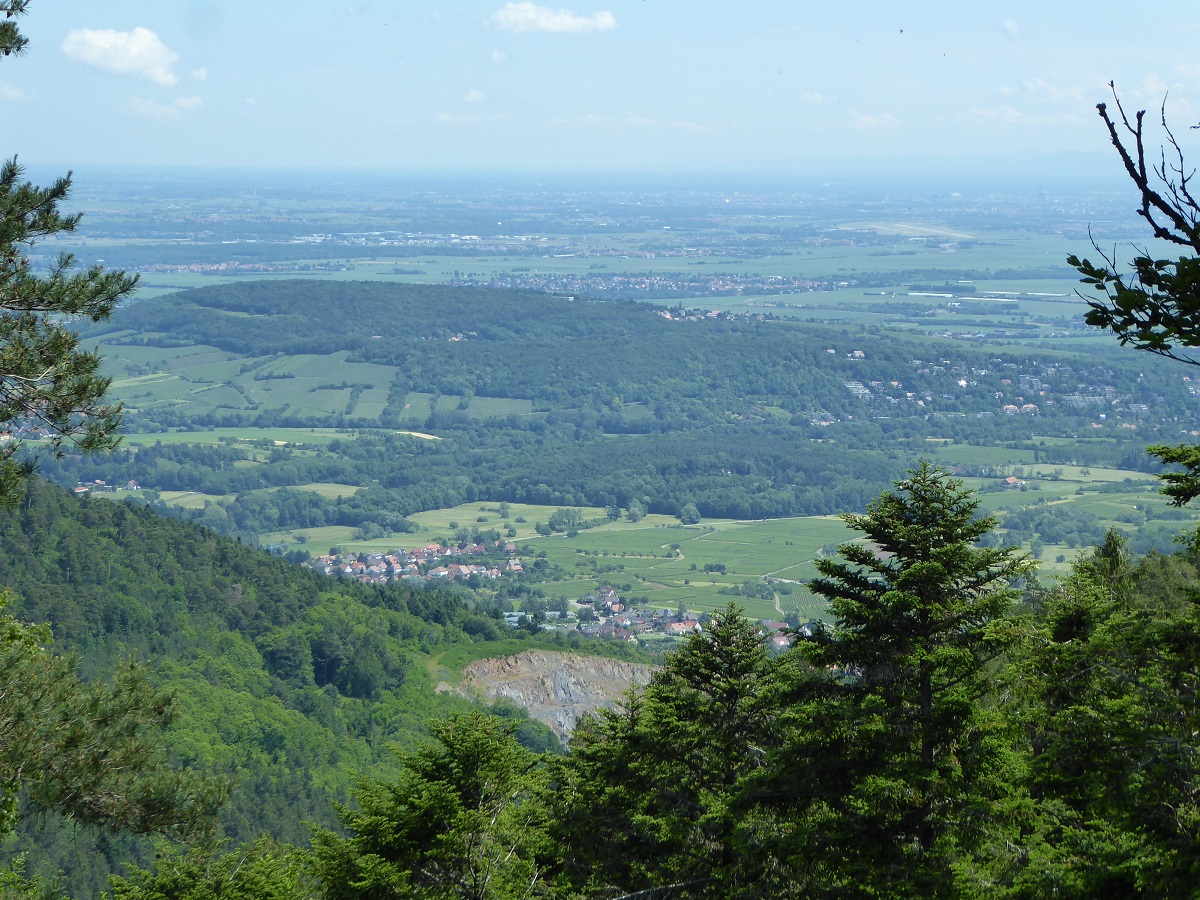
(613, 620)
(430, 561)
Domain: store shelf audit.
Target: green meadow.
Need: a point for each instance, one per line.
(661, 563)
(657, 557)
(201, 380)
(238, 435)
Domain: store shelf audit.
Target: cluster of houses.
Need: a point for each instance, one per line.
(618, 622)
(430, 561)
(679, 314)
(1017, 394)
(103, 487)
(658, 285)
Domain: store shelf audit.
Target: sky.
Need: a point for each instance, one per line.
(588, 84)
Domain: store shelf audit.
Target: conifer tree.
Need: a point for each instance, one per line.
(648, 795)
(48, 384)
(263, 870)
(891, 755)
(1106, 690)
(461, 823)
(90, 750)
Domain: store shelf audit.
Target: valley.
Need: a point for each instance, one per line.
(510, 481)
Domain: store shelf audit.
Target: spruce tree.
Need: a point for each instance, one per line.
(462, 822)
(892, 757)
(49, 386)
(648, 797)
(1106, 688)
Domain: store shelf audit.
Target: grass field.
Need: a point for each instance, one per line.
(238, 435)
(657, 557)
(661, 563)
(190, 499)
(200, 379)
(329, 490)
(195, 499)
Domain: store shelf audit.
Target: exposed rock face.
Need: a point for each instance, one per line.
(556, 688)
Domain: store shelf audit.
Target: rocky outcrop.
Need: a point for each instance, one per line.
(556, 688)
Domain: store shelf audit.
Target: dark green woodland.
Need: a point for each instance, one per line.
(956, 730)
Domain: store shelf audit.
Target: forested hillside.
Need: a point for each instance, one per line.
(621, 366)
(958, 731)
(865, 405)
(564, 401)
(288, 682)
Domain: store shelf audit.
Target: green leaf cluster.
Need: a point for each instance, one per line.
(91, 750)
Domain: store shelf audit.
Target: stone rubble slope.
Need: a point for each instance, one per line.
(556, 688)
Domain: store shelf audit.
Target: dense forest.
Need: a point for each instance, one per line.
(958, 730)
(739, 416)
(757, 473)
(622, 367)
(287, 682)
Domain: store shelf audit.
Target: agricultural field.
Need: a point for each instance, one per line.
(239, 435)
(661, 563)
(847, 250)
(197, 381)
(190, 499)
(879, 267)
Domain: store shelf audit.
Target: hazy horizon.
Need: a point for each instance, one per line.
(1016, 172)
(489, 85)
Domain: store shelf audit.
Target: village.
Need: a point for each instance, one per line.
(597, 614)
(1004, 389)
(432, 561)
(603, 615)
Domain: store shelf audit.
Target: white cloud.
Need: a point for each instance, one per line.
(149, 109)
(475, 96)
(1153, 87)
(250, 101)
(499, 56)
(813, 97)
(139, 53)
(200, 74)
(867, 120)
(1152, 92)
(8, 92)
(685, 125)
(1010, 115)
(1040, 87)
(591, 120)
(531, 17)
(451, 119)
(1012, 29)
